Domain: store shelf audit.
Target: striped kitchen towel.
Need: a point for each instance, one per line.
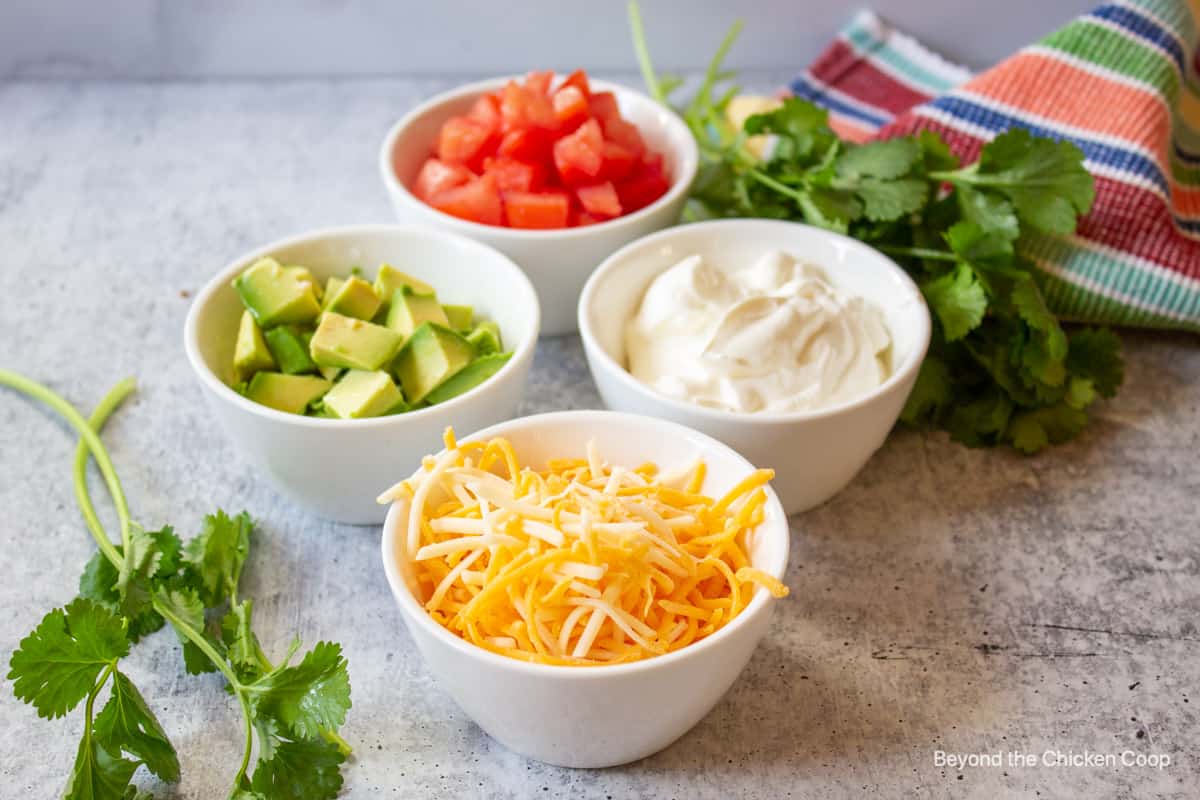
(1120, 82)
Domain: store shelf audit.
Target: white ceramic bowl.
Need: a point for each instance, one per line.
(559, 261)
(814, 454)
(596, 716)
(336, 468)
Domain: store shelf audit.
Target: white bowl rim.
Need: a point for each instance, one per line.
(899, 374)
(191, 336)
(759, 603)
(689, 163)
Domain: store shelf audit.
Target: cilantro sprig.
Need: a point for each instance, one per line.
(1001, 368)
(291, 712)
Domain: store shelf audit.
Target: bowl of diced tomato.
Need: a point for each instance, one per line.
(556, 173)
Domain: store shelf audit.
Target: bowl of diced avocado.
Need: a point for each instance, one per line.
(336, 359)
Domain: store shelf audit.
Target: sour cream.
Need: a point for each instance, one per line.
(776, 336)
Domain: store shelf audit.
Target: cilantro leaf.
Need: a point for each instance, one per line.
(218, 553)
(889, 158)
(304, 770)
(993, 214)
(1046, 350)
(958, 299)
(310, 696)
(935, 154)
(98, 583)
(982, 420)
(978, 246)
(185, 605)
(127, 724)
(884, 200)
(57, 664)
(97, 774)
(932, 392)
(242, 646)
(1095, 353)
(1031, 431)
(1044, 179)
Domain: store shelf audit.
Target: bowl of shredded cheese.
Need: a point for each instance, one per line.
(586, 584)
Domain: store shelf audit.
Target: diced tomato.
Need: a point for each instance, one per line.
(461, 140)
(570, 107)
(618, 162)
(533, 146)
(486, 111)
(604, 105)
(618, 131)
(540, 81)
(579, 80)
(436, 176)
(643, 187)
(477, 201)
(513, 175)
(599, 200)
(536, 209)
(581, 218)
(522, 108)
(579, 156)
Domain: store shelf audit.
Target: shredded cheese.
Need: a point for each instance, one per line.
(580, 563)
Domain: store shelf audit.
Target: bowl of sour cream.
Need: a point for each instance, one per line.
(794, 345)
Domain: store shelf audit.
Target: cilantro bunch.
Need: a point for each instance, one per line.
(153, 578)
(1000, 368)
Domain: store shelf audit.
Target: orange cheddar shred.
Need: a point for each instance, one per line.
(582, 563)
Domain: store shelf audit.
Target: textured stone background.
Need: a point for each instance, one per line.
(948, 599)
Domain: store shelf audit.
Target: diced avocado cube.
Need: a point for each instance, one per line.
(355, 298)
(409, 309)
(460, 318)
(290, 350)
(330, 373)
(430, 356)
(360, 393)
(331, 287)
(485, 338)
(468, 377)
(250, 353)
(290, 393)
(389, 279)
(302, 273)
(276, 295)
(342, 341)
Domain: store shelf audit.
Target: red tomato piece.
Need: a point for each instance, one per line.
(540, 81)
(536, 209)
(436, 176)
(532, 146)
(618, 162)
(476, 201)
(461, 140)
(522, 108)
(578, 79)
(486, 111)
(513, 175)
(599, 200)
(604, 105)
(570, 107)
(624, 133)
(581, 218)
(643, 187)
(579, 156)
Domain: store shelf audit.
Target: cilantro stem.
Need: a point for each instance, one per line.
(91, 698)
(108, 405)
(917, 252)
(649, 77)
(88, 434)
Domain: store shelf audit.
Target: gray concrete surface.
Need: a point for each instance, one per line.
(949, 599)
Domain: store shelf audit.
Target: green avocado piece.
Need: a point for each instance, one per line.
(330, 373)
(290, 350)
(361, 393)
(460, 318)
(302, 273)
(409, 309)
(278, 295)
(331, 286)
(342, 341)
(389, 279)
(290, 393)
(431, 355)
(250, 353)
(354, 298)
(485, 338)
(468, 377)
